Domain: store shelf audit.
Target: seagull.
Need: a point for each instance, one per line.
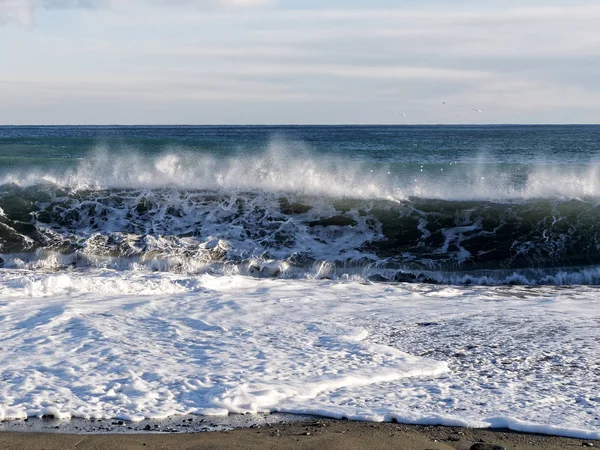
(443, 103)
(402, 114)
(476, 110)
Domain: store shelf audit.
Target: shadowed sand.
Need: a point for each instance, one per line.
(314, 434)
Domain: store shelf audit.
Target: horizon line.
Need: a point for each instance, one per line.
(297, 124)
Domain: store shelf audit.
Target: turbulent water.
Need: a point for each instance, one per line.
(115, 226)
(428, 204)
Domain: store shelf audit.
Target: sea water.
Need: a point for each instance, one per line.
(432, 275)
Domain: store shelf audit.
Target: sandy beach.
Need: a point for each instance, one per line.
(314, 434)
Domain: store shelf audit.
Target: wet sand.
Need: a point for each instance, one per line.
(313, 434)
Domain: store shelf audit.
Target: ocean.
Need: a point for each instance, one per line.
(420, 274)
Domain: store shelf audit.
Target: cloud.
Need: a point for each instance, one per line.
(23, 11)
(244, 3)
(20, 11)
(204, 61)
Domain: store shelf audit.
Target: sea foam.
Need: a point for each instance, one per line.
(107, 344)
(292, 167)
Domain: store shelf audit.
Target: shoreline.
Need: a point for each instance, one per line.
(306, 433)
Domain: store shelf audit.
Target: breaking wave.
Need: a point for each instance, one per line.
(287, 213)
(292, 168)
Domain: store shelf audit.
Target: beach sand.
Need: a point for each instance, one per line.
(314, 434)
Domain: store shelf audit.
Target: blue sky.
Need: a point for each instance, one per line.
(292, 61)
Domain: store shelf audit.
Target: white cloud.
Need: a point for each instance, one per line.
(20, 11)
(349, 64)
(23, 11)
(244, 3)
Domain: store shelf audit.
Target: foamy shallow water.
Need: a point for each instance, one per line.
(134, 345)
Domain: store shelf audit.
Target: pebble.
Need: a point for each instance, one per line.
(480, 446)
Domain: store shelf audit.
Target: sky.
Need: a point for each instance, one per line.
(299, 61)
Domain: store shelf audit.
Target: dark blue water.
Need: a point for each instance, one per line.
(568, 144)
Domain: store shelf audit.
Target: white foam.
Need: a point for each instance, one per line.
(129, 345)
(292, 167)
(282, 167)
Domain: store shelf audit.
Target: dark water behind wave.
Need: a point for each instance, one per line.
(565, 144)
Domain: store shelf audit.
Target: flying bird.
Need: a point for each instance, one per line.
(476, 110)
(402, 114)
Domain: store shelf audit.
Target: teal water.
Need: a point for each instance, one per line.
(565, 144)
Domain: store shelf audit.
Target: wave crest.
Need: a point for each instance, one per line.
(291, 167)
(275, 234)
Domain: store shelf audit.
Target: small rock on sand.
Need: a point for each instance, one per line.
(480, 446)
